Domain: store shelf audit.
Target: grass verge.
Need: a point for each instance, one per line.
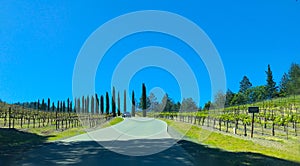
(287, 150)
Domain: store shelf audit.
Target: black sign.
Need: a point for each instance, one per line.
(253, 109)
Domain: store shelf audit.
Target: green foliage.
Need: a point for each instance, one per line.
(188, 105)
(113, 102)
(245, 84)
(107, 104)
(271, 88)
(294, 82)
(133, 104)
(144, 100)
(284, 85)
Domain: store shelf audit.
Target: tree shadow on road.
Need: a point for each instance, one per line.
(14, 142)
(182, 153)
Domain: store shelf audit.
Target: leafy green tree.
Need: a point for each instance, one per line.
(207, 106)
(144, 100)
(271, 88)
(239, 98)
(229, 97)
(245, 84)
(219, 100)
(107, 104)
(284, 85)
(189, 105)
(256, 94)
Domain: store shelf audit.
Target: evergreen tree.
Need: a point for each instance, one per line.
(144, 100)
(133, 104)
(119, 112)
(107, 104)
(83, 104)
(207, 106)
(68, 105)
(58, 105)
(87, 104)
(113, 103)
(53, 107)
(284, 85)
(97, 104)
(92, 105)
(245, 84)
(124, 109)
(167, 104)
(43, 105)
(271, 88)
(78, 106)
(48, 104)
(101, 104)
(294, 83)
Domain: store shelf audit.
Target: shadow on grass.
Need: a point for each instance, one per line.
(182, 153)
(14, 142)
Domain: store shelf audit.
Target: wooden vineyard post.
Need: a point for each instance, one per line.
(253, 110)
(252, 125)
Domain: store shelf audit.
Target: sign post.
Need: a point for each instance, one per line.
(253, 110)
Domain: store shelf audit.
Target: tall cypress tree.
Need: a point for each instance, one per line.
(124, 110)
(53, 106)
(97, 104)
(48, 105)
(107, 104)
(271, 88)
(38, 105)
(92, 105)
(119, 112)
(144, 100)
(113, 103)
(82, 104)
(58, 105)
(64, 107)
(68, 105)
(78, 106)
(43, 105)
(101, 104)
(87, 104)
(133, 104)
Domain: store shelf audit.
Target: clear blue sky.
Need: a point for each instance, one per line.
(40, 40)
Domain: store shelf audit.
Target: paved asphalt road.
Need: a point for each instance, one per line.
(136, 141)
